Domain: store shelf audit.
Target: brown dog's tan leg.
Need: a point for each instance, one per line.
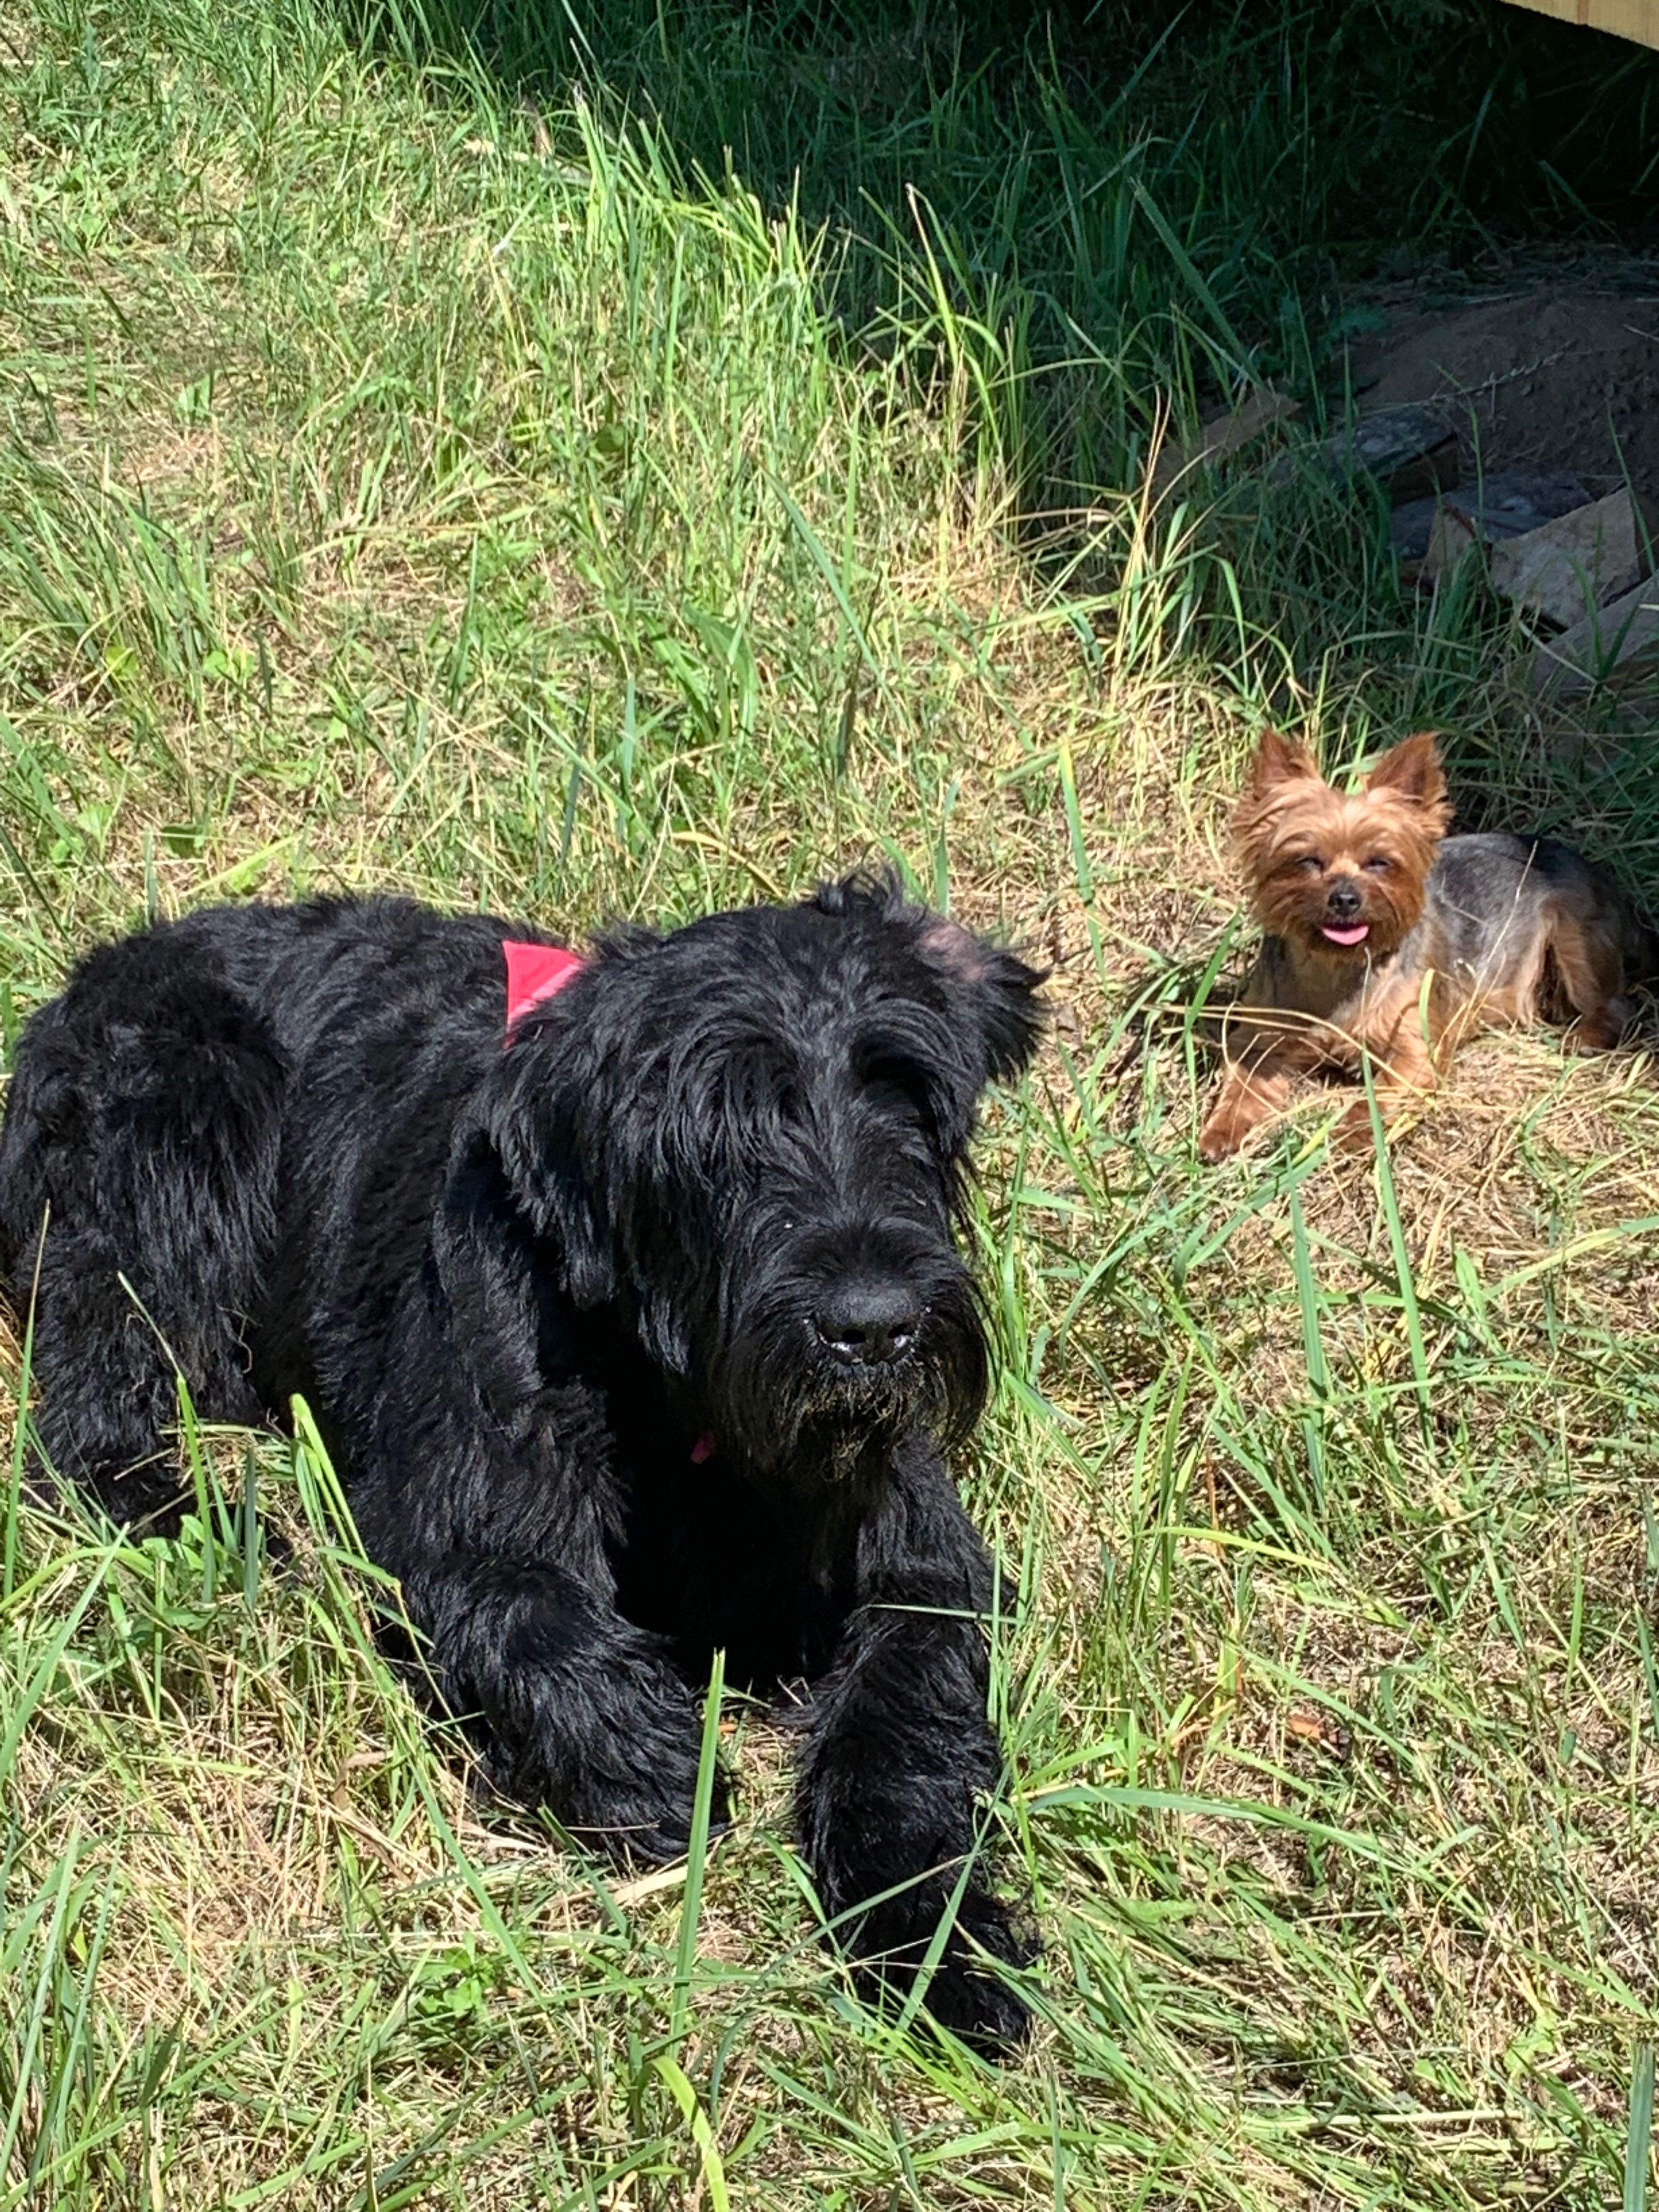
(1593, 975)
(1403, 1069)
(1408, 1077)
(1251, 1093)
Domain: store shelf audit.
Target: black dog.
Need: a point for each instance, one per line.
(636, 1332)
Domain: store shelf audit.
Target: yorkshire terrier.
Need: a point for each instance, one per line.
(1386, 940)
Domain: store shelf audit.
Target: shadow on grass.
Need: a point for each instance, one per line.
(1119, 202)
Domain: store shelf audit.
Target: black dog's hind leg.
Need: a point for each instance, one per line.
(140, 1142)
(901, 1757)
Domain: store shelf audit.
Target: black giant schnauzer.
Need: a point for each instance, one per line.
(635, 1323)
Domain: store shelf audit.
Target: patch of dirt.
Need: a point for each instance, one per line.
(1553, 372)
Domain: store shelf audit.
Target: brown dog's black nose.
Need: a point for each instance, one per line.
(1343, 901)
(866, 1323)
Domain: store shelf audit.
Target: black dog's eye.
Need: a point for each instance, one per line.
(1379, 864)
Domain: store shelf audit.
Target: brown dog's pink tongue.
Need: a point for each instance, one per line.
(1355, 936)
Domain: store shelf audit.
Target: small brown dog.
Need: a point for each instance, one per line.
(1386, 939)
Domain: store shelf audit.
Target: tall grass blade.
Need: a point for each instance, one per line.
(1638, 2133)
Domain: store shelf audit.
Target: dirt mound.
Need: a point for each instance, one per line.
(1555, 376)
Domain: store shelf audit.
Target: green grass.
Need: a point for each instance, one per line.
(405, 484)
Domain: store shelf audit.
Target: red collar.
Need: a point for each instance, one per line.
(535, 972)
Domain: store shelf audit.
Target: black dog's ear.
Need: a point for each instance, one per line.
(1000, 989)
(566, 1213)
(538, 1138)
(565, 1171)
(998, 986)
(482, 1246)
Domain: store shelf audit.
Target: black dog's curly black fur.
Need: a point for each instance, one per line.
(637, 1337)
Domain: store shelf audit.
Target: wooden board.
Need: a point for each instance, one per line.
(1626, 19)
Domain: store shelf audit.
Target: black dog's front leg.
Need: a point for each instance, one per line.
(496, 1500)
(901, 1756)
(579, 1710)
(501, 1536)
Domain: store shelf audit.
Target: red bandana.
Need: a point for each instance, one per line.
(535, 972)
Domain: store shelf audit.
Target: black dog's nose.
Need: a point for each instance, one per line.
(1343, 901)
(867, 1324)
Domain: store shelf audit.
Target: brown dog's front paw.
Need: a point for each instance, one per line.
(1220, 1137)
(1354, 1137)
(1248, 1097)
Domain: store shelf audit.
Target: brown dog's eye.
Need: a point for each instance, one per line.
(1311, 865)
(1379, 864)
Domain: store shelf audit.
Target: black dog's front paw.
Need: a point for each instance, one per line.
(964, 1993)
(631, 1800)
(643, 1825)
(616, 1767)
(982, 2013)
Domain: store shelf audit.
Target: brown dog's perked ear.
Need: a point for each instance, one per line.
(1411, 770)
(1279, 760)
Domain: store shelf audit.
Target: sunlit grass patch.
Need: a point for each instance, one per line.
(403, 487)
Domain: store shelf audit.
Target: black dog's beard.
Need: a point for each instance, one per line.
(779, 1398)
